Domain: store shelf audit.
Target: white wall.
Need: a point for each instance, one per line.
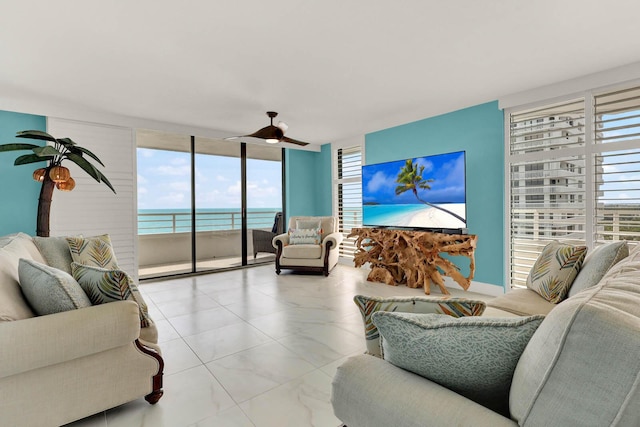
(92, 208)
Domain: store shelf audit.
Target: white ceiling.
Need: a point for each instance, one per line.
(333, 69)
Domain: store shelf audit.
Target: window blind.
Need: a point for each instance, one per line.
(547, 175)
(348, 190)
(617, 165)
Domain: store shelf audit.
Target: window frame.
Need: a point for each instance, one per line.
(589, 151)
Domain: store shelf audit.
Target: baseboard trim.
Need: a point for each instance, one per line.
(478, 287)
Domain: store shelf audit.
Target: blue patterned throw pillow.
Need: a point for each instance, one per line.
(455, 307)
(473, 356)
(50, 290)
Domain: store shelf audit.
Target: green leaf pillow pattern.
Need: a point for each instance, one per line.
(94, 251)
(102, 286)
(454, 307)
(555, 270)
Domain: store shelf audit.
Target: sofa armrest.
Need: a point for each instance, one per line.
(283, 238)
(334, 238)
(367, 391)
(47, 340)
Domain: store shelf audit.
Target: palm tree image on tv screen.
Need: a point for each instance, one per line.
(425, 192)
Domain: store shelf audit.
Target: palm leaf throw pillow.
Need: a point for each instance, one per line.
(103, 286)
(94, 251)
(555, 270)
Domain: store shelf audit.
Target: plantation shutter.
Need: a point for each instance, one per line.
(617, 165)
(348, 190)
(91, 208)
(547, 182)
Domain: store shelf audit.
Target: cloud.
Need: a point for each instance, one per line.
(180, 186)
(172, 199)
(378, 180)
(142, 190)
(142, 179)
(428, 165)
(184, 170)
(145, 152)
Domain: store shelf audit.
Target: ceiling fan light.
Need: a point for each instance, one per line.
(272, 140)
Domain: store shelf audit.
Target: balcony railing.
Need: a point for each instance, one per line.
(180, 222)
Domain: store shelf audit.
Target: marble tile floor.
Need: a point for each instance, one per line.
(249, 348)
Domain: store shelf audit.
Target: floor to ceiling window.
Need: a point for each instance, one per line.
(199, 201)
(573, 174)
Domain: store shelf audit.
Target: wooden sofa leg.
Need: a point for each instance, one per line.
(153, 397)
(157, 392)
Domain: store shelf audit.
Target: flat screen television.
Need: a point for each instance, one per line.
(425, 193)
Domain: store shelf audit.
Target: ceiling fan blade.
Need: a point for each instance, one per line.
(268, 132)
(293, 141)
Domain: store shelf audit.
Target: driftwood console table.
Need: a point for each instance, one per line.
(413, 257)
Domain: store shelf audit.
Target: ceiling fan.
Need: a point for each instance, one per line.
(273, 134)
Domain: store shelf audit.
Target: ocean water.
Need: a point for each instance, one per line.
(157, 221)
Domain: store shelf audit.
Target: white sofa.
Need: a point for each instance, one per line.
(58, 368)
(308, 257)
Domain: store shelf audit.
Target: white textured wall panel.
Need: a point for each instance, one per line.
(92, 208)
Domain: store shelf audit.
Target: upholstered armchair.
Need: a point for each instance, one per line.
(262, 239)
(320, 255)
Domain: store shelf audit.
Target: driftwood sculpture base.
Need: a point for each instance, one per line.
(413, 257)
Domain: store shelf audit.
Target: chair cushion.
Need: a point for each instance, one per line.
(597, 263)
(473, 356)
(55, 250)
(49, 290)
(523, 302)
(103, 286)
(93, 251)
(555, 269)
(455, 307)
(314, 223)
(302, 251)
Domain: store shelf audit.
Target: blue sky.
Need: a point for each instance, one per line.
(621, 172)
(447, 171)
(164, 181)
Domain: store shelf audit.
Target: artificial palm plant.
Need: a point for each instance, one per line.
(410, 178)
(54, 174)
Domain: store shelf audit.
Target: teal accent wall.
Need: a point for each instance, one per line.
(478, 130)
(19, 192)
(308, 182)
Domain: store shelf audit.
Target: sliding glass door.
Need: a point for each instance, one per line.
(164, 204)
(200, 201)
(263, 199)
(218, 204)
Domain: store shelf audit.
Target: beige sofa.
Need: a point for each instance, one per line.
(526, 302)
(579, 368)
(61, 367)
